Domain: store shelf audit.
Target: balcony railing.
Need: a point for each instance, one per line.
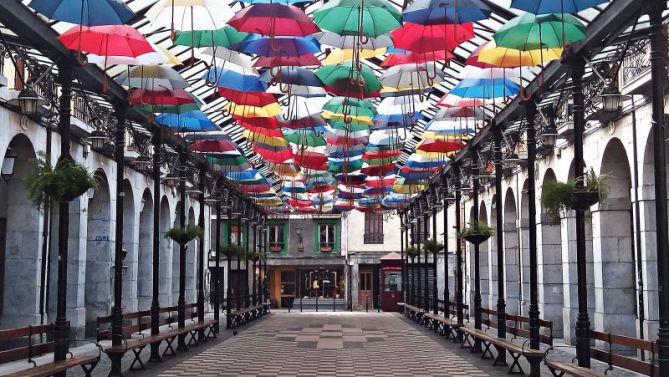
(635, 66)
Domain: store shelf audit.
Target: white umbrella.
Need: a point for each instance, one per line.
(346, 42)
(189, 15)
(416, 76)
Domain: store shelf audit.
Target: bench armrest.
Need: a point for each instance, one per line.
(552, 348)
(97, 345)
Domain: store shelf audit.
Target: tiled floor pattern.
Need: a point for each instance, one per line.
(343, 344)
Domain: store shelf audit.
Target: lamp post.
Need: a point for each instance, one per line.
(476, 185)
(61, 326)
(181, 301)
(435, 293)
(155, 247)
(400, 213)
(117, 310)
(254, 226)
(658, 57)
(228, 272)
(247, 232)
(447, 294)
(217, 276)
(501, 302)
(200, 267)
(238, 282)
(426, 217)
(458, 251)
(412, 279)
(530, 112)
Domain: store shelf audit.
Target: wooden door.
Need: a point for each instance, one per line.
(365, 288)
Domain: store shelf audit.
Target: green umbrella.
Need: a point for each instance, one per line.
(305, 137)
(230, 163)
(223, 37)
(345, 79)
(337, 104)
(342, 17)
(353, 127)
(172, 109)
(533, 32)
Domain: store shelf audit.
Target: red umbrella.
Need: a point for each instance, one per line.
(428, 38)
(262, 187)
(473, 58)
(299, 203)
(109, 40)
(381, 154)
(453, 101)
(320, 189)
(160, 97)
(274, 19)
(258, 99)
(213, 146)
(269, 132)
(271, 123)
(343, 140)
(275, 155)
(287, 61)
(415, 58)
(440, 146)
(378, 170)
(311, 160)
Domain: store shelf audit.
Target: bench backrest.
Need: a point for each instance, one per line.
(518, 325)
(33, 341)
(133, 322)
(609, 356)
(453, 308)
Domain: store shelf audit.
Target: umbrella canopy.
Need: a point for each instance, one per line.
(419, 76)
(293, 76)
(436, 12)
(190, 15)
(231, 79)
(152, 77)
(85, 12)
(415, 58)
(114, 40)
(485, 88)
(511, 58)
(191, 121)
(241, 62)
(280, 46)
(423, 39)
(288, 61)
(337, 56)
(555, 6)
(226, 36)
(342, 17)
(345, 80)
(305, 137)
(534, 32)
(160, 55)
(274, 19)
(347, 42)
(258, 99)
(214, 146)
(161, 97)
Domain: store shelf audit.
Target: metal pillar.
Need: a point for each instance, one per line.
(200, 267)
(501, 302)
(476, 186)
(530, 112)
(117, 309)
(61, 328)
(155, 247)
(435, 293)
(419, 269)
(238, 281)
(181, 301)
(404, 264)
(447, 293)
(247, 234)
(426, 266)
(412, 282)
(228, 273)
(459, 294)
(577, 68)
(217, 276)
(253, 272)
(658, 58)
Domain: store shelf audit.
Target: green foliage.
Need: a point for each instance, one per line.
(255, 255)
(231, 250)
(557, 196)
(432, 246)
(412, 251)
(62, 183)
(477, 228)
(597, 183)
(184, 235)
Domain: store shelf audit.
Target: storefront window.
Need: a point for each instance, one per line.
(392, 281)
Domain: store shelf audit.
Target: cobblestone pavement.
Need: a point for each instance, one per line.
(335, 344)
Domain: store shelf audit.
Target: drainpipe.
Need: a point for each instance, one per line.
(637, 228)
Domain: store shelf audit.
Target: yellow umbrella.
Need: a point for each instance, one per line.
(434, 155)
(435, 135)
(511, 58)
(359, 119)
(402, 188)
(285, 170)
(264, 139)
(340, 56)
(268, 111)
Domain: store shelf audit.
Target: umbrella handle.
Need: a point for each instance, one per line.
(225, 112)
(523, 96)
(285, 101)
(284, 89)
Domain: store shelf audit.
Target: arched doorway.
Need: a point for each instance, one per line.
(20, 241)
(549, 256)
(98, 294)
(130, 247)
(145, 252)
(613, 250)
(484, 270)
(511, 254)
(166, 251)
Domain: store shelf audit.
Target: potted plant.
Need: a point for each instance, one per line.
(254, 256)
(62, 183)
(558, 196)
(275, 247)
(183, 235)
(432, 246)
(412, 252)
(477, 233)
(230, 250)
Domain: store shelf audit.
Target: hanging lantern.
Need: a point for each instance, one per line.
(549, 136)
(8, 164)
(143, 164)
(28, 101)
(97, 139)
(611, 99)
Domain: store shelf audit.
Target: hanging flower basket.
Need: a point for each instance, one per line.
(184, 235)
(63, 183)
(563, 196)
(477, 233)
(231, 250)
(432, 246)
(254, 256)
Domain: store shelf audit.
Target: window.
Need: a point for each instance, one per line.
(276, 241)
(373, 228)
(392, 281)
(326, 237)
(235, 233)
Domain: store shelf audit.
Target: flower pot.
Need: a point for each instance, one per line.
(74, 191)
(585, 199)
(254, 257)
(326, 249)
(275, 249)
(476, 239)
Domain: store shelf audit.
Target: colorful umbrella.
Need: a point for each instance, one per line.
(112, 40)
(485, 88)
(213, 146)
(347, 80)
(289, 61)
(226, 36)
(436, 12)
(152, 77)
(280, 46)
(532, 32)
(292, 76)
(305, 137)
(274, 19)
(371, 18)
(85, 12)
(349, 42)
(555, 6)
(191, 121)
(424, 39)
(189, 15)
(231, 79)
(247, 98)
(415, 58)
(511, 58)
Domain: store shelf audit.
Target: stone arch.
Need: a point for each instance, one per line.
(551, 296)
(484, 268)
(511, 254)
(191, 260)
(613, 251)
(20, 241)
(130, 241)
(166, 251)
(145, 252)
(98, 296)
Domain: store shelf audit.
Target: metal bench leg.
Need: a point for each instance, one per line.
(555, 372)
(193, 339)
(466, 342)
(169, 348)
(487, 351)
(137, 359)
(515, 364)
(500, 360)
(211, 331)
(88, 369)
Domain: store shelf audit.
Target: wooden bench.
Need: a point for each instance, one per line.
(413, 312)
(611, 355)
(516, 325)
(447, 326)
(35, 341)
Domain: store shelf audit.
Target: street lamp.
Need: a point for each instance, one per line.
(28, 101)
(97, 139)
(610, 98)
(549, 136)
(8, 164)
(143, 164)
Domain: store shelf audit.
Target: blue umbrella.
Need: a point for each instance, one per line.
(280, 46)
(415, 175)
(276, 1)
(554, 6)
(234, 80)
(485, 88)
(436, 12)
(247, 175)
(190, 121)
(94, 12)
(293, 76)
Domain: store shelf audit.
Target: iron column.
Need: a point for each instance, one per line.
(200, 267)
(476, 185)
(501, 303)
